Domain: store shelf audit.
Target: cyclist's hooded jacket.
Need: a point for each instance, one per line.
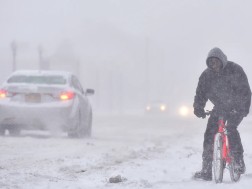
(227, 89)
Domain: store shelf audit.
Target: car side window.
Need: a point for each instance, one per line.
(77, 85)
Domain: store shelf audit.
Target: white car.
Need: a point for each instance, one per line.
(33, 99)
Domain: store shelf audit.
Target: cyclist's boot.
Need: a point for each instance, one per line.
(240, 166)
(205, 173)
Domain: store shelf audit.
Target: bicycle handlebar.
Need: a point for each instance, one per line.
(208, 112)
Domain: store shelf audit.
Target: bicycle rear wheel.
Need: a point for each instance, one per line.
(234, 174)
(218, 162)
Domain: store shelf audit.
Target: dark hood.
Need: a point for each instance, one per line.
(217, 53)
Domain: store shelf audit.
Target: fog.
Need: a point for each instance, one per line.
(130, 51)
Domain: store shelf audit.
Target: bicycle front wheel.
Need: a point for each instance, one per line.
(218, 162)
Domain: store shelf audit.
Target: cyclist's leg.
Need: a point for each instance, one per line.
(210, 132)
(207, 155)
(235, 141)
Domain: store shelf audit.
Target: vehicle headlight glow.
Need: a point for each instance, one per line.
(162, 108)
(184, 111)
(148, 108)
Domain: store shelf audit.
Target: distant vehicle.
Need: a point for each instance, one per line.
(156, 108)
(32, 99)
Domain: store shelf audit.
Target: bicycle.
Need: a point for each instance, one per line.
(222, 157)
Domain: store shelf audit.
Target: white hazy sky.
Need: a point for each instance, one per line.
(179, 34)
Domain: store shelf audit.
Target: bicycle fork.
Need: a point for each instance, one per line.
(225, 144)
(225, 149)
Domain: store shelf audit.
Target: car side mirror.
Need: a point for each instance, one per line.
(90, 91)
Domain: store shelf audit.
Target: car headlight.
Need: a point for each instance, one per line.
(162, 108)
(148, 108)
(184, 111)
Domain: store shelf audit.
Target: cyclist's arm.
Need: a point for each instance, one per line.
(200, 98)
(243, 92)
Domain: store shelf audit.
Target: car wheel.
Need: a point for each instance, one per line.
(2, 130)
(77, 130)
(88, 131)
(14, 130)
(72, 134)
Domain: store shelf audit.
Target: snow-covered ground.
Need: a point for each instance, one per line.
(147, 152)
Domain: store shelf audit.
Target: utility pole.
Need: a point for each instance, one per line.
(147, 70)
(40, 51)
(14, 55)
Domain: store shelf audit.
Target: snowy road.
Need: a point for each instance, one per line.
(147, 152)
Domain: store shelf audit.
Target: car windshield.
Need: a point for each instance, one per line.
(34, 79)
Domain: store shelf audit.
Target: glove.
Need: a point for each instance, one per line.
(200, 113)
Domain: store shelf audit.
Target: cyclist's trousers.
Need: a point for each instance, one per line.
(234, 137)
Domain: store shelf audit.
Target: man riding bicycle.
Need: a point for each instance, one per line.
(225, 84)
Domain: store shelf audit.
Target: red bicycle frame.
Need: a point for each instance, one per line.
(225, 146)
(222, 157)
